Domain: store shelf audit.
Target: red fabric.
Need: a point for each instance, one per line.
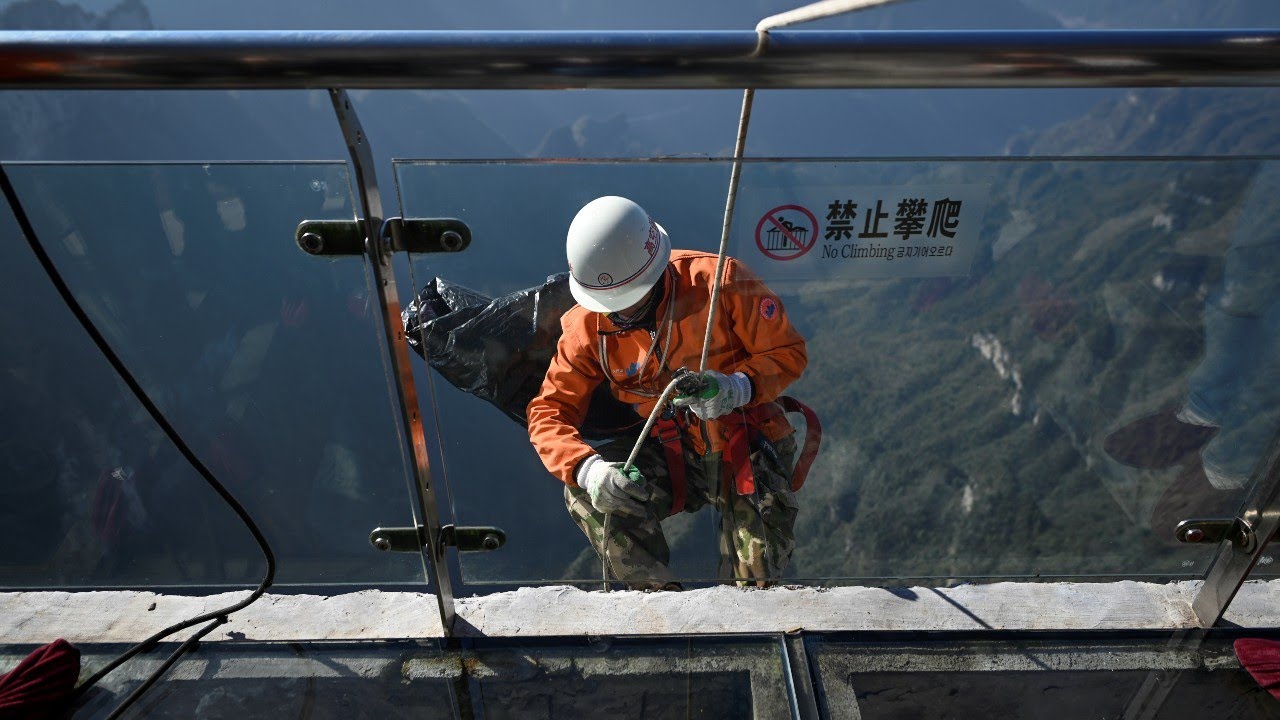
(1262, 659)
(812, 439)
(742, 427)
(737, 450)
(737, 454)
(40, 685)
(668, 433)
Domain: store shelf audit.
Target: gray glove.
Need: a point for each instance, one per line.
(611, 490)
(721, 394)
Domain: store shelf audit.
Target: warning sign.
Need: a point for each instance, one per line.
(786, 232)
(865, 232)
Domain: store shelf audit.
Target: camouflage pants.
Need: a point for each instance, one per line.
(757, 531)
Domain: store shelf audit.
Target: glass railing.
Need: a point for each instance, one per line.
(266, 360)
(1023, 367)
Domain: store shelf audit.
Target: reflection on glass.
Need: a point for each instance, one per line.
(701, 677)
(1106, 678)
(264, 358)
(330, 680)
(1009, 357)
(668, 678)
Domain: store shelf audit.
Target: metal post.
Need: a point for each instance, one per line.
(798, 673)
(379, 254)
(1261, 513)
(1234, 562)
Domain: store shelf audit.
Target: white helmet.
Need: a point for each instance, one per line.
(617, 253)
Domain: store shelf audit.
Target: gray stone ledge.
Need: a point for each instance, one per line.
(128, 616)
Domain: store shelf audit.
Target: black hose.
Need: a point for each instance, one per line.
(28, 231)
(164, 667)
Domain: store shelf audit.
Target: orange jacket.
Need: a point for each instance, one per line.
(752, 335)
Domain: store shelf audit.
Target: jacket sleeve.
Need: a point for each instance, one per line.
(558, 410)
(776, 350)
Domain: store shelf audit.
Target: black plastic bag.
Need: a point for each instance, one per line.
(499, 349)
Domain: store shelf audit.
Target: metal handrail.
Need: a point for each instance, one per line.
(636, 59)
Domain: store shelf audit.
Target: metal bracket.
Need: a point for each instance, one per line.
(472, 539)
(399, 539)
(1215, 530)
(466, 539)
(414, 235)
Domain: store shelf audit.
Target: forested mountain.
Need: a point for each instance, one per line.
(976, 412)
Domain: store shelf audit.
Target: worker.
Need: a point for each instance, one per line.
(641, 316)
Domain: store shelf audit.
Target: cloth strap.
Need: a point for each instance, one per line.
(744, 430)
(668, 432)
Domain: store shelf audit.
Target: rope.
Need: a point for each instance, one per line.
(130, 381)
(744, 119)
(813, 11)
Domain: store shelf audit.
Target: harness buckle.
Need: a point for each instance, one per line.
(667, 432)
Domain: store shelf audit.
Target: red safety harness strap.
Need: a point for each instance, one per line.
(667, 431)
(737, 448)
(812, 439)
(743, 428)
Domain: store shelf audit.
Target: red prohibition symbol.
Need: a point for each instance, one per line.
(782, 233)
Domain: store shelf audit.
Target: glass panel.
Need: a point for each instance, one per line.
(1023, 367)
(1035, 679)
(660, 678)
(229, 680)
(265, 359)
(554, 678)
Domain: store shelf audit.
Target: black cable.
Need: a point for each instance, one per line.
(28, 231)
(164, 667)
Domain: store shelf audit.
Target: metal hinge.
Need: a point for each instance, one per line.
(466, 539)
(415, 235)
(1215, 530)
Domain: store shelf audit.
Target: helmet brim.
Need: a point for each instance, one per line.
(622, 297)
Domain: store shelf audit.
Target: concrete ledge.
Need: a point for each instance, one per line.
(106, 617)
(130, 616)
(1021, 606)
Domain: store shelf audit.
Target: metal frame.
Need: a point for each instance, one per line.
(637, 59)
(797, 670)
(384, 281)
(832, 659)
(1233, 563)
(588, 658)
(1147, 702)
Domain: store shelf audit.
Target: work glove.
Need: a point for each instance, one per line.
(720, 394)
(611, 490)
